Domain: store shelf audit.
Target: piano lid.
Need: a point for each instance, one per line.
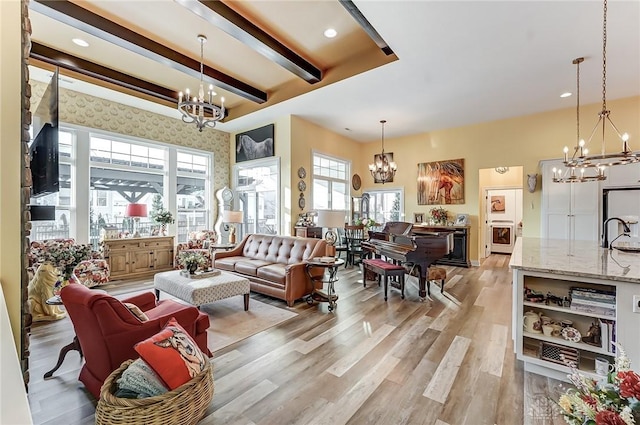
(397, 227)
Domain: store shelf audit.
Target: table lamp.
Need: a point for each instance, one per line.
(232, 218)
(136, 211)
(331, 220)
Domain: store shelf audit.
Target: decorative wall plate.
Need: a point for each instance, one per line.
(302, 173)
(571, 334)
(301, 202)
(356, 182)
(302, 186)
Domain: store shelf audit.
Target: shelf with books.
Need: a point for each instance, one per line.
(558, 340)
(566, 310)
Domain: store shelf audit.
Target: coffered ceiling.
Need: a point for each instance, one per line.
(444, 64)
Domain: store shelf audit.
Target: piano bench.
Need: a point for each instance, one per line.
(385, 269)
(438, 273)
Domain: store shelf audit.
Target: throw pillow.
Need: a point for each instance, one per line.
(135, 310)
(173, 355)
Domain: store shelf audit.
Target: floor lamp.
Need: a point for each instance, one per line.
(136, 211)
(331, 220)
(231, 218)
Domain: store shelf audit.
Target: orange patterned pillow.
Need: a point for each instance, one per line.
(173, 355)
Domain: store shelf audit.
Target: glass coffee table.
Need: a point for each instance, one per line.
(328, 276)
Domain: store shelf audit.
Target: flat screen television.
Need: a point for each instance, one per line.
(44, 148)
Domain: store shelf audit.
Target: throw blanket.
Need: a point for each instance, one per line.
(139, 381)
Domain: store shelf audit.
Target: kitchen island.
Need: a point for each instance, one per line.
(582, 286)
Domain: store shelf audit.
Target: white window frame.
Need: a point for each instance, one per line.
(373, 194)
(331, 180)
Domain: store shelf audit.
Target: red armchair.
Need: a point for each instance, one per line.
(107, 330)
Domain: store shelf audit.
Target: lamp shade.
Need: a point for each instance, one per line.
(331, 219)
(136, 210)
(232, 216)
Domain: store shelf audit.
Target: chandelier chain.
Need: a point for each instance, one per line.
(604, 57)
(578, 100)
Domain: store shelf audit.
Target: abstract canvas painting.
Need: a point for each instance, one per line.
(255, 144)
(441, 182)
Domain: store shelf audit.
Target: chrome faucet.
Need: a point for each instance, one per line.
(605, 231)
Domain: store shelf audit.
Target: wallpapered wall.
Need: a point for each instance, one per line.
(92, 112)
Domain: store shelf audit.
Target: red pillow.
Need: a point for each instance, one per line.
(172, 354)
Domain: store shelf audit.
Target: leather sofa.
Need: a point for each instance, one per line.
(275, 265)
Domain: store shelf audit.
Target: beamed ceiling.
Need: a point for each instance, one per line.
(421, 65)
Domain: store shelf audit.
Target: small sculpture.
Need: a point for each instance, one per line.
(532, 181)
(593, 335)
(39, 291)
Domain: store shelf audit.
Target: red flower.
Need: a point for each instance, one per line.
(590, 401)
(629, 384)
(608, 417)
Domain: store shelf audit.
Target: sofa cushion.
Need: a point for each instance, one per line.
(228, 263)
(273, 272)
(278, 249)
(250, 266)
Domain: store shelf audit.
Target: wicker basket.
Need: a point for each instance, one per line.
(184, 405)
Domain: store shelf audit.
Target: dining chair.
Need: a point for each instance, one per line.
(354, 236)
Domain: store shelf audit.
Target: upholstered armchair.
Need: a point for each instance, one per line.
(92, 271)
(107, 329)
(198, 242)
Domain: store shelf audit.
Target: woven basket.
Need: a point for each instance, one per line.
(184, 405)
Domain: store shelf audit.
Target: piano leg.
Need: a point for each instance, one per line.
(425, 287)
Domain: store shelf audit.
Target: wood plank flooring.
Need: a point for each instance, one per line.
(446, 361)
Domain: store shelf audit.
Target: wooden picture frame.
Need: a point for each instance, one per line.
(255, 144)
(462, 220)
(418, 218)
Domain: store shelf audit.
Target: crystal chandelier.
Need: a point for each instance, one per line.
(382, 170)
(198, 109)
(581, 159)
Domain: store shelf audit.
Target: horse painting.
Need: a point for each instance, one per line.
(255, 144)
(441, 182)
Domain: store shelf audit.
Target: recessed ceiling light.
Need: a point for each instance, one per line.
(80, 42)
(330, 33)
(566, 94)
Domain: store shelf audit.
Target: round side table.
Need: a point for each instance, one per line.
(329, 278)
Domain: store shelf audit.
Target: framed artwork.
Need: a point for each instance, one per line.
(378, 157)
(462, 220)
(418, 218)
(497, 204)
(441, 182)
(255, 144)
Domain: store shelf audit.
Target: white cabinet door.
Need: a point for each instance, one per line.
(569, 210)
(623, 176)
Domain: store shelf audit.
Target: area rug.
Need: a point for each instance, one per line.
(230, 323)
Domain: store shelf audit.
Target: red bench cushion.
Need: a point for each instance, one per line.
(383, 264)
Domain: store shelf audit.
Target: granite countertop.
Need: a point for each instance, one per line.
(575, 258)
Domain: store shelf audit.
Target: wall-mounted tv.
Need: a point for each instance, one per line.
(44, 148)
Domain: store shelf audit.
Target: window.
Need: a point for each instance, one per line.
(257, 187)
(330, 183)
(62, 200)
(386, 205)
(125, 153)
(191, 193)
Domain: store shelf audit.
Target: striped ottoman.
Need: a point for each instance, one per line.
(202, 291)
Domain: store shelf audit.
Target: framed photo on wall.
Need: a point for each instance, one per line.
(255, 144)
(418, 218)
(462, 220)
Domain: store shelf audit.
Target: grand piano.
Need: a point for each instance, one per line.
(416, 249)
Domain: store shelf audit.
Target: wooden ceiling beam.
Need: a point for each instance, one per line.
(366, 26)
(222, 16)
(91, 23)
(102, 73)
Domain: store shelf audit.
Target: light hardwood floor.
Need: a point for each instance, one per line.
(448, 360)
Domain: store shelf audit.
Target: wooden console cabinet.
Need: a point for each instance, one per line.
(308, 232)
(138, 257)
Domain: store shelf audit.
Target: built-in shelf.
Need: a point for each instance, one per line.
(558, 340)
(566, 310)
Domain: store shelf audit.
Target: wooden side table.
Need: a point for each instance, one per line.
(74, 345)
(329, 278)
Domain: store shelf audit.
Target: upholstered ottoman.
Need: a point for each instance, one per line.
(202, 291)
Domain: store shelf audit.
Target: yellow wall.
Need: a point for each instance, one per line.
(10, 160)
(522, 141)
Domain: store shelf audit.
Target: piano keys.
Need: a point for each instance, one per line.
(415, 251)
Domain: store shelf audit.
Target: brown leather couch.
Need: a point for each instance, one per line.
(274, 264)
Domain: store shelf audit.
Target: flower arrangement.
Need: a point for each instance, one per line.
(438, 214)
(163, 217)
(192, 260)
(612, 401)
(65, 257)
(367, 222)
